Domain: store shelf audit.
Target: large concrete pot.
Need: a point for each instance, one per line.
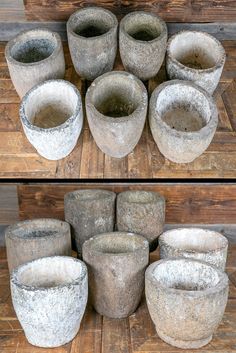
(33, 57)
(142, 42)
(116, 265)
(32, 239)
(92, 37)
(197, 243)
(90, 212)
(49, 296)
(186, 299)
(183, 119)
(52, 118)
(141, 212)
(195, 56)
(116, 106)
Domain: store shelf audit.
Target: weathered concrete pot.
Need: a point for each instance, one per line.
(92, 37)
(49, 296)
(33, 57)
(116, 265)
(197, 243)
(32, 239)
(90, 212)
(142, 43)
(195, 56)
(183, 119)
(141, 212)
(52, 118)
(116, 106)
(186, 299)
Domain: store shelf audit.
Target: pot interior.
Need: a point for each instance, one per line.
(87, 195)
(139, 196)
(38, 228)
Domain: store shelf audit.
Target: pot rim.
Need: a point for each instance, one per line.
(106, 194)
(157, 197)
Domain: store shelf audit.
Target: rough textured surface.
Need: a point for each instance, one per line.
(116, 107)
(186, 299)
(183, 119)
(33, 57)
(116, 265)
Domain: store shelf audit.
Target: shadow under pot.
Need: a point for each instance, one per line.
(186, 300)
(116, 266)
(197, 57)
(52, 118)
(116, 107)
(142, 43)
(92, 38)
(183, 119)
(49, 296)
(33, 57)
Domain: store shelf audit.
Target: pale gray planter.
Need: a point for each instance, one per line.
(33, 57)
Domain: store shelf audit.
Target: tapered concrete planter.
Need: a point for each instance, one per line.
(116, 106)
(195, 56)
(90, 212)
(30, 240)
(33, 57)
(52, 118)
(116, 265)
(92, 37)
(141, 212)
(183, 119)
(197, 243)
(142, 43)
(49, 296)
(186, 299)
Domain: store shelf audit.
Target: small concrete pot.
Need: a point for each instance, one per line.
(116, 106)
(142, 42)
(52, 118)
(33, 57)
(32, 239)
(116, 265)
(186, 300)
(49, 296)
(196, 243)
(197, 57)
(90, 212)
(92, 37)
(183, 119)
(141, 212)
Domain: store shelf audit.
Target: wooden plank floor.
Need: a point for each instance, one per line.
(19, 159)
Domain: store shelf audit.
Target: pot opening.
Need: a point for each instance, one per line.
(87, 195)
(139, 196)
(37, 228)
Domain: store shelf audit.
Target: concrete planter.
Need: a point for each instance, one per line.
(30, 240)
(186, 300)
(116, 106)
(142, 42)
(33, 57)
(116, 265)
(52, 118)
(92, 37)
(197, 57)
(90, 212)
(141, 212)
(49, 296)
(183, 119)
(197, 243)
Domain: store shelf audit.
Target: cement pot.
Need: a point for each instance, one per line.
(197, 57)
(116, 106)
(52, 118)
(197, 243)
(186, 299)
(116, 265)
(183, 119)
(49, 296)
(92, 37)
(33, 57)
(141, 212)
(142, 42)
(90, 212)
